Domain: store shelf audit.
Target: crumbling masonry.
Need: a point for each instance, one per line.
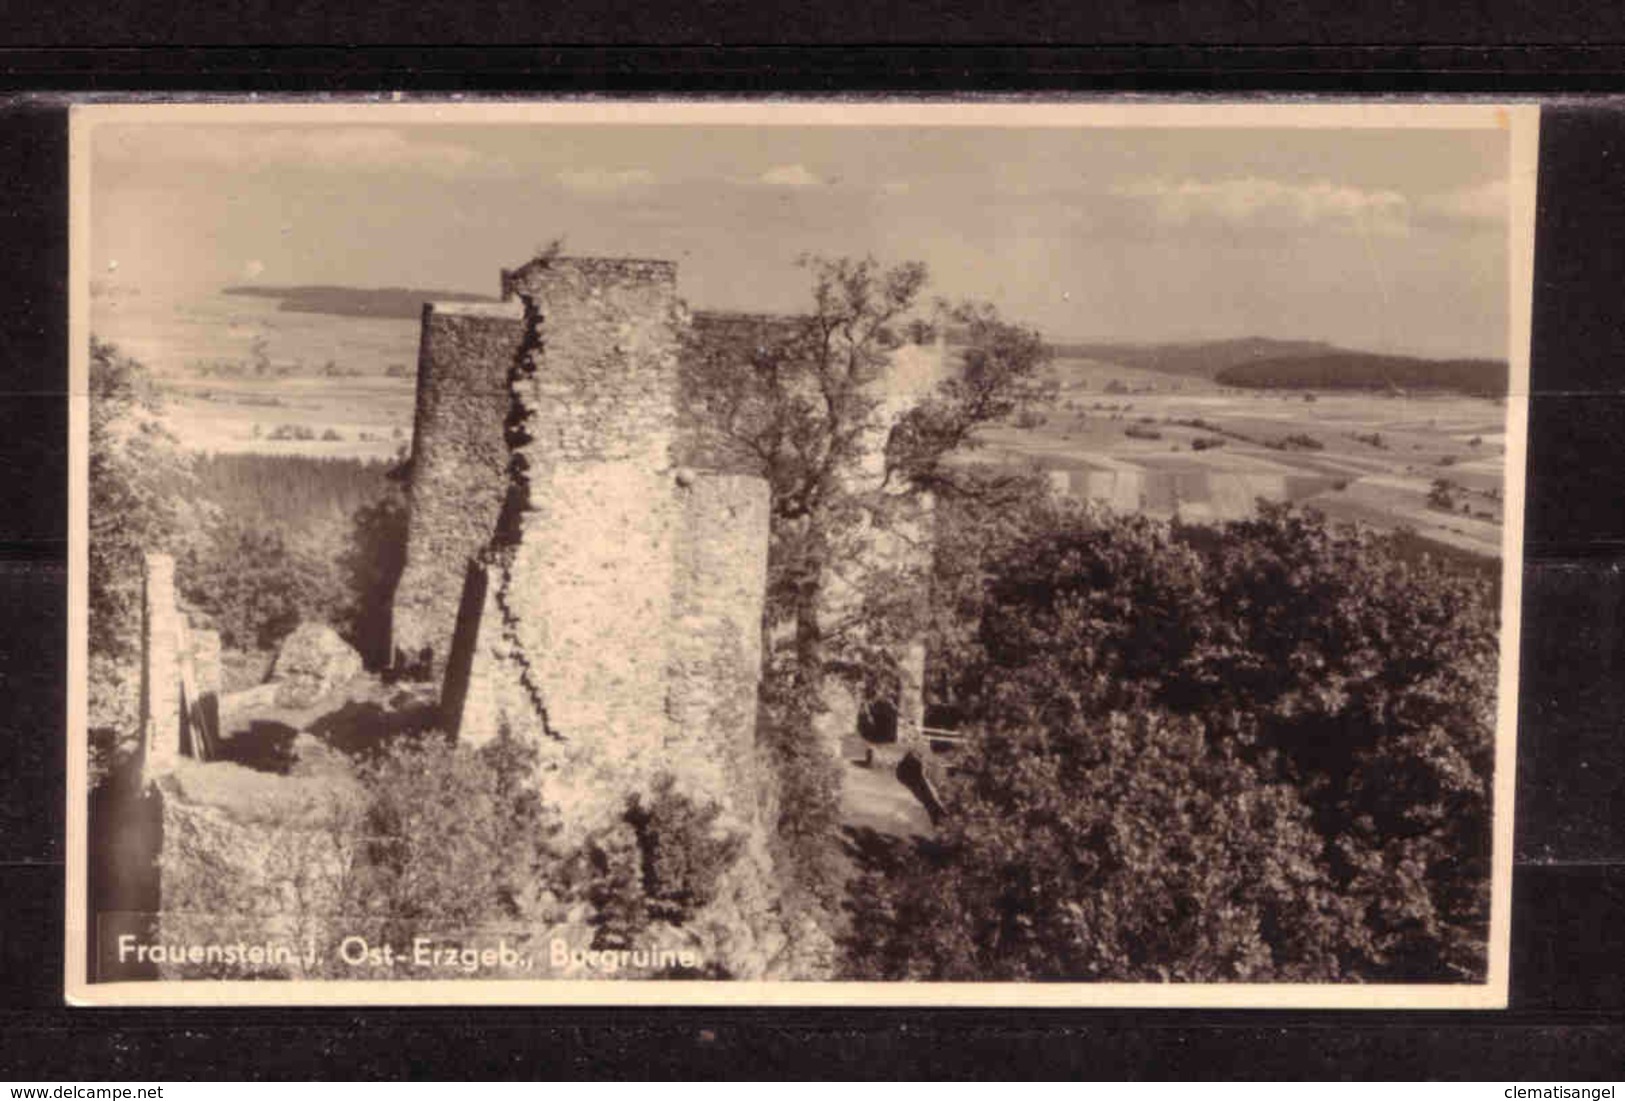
(582, 572)
(627, 560)
(614, 615)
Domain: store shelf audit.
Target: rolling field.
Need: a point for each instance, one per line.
(1134, 438)
(361, 418)
(1168, 445)
(180, 336)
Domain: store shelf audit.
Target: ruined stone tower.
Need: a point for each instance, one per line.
(459, 469)
(615, 616)
(580, 562)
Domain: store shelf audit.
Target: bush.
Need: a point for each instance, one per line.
(1298, 441)
(1140, 432)
(683, 855)
(1063, 865)
(141, 501)
(1320, 699)
(255, 585)
(664, 861)
(1030, 418)
(331, 435)
(456, 839)
(1442, 495)
(292, 432)
(1205, 443)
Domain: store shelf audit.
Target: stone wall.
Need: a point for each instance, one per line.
(592, 389)
(576, 596)
(715, 654)
(255, 858)
(615, 619)
(180, 676)
(460, 456)
(459, 469)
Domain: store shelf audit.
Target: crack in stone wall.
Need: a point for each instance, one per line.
(528, 683)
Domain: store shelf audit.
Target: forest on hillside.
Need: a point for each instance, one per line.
(1262, 363)
(1362, 371)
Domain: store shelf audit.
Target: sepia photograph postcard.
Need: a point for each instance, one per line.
(981, 553)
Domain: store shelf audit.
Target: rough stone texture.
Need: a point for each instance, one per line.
(571, 641)
(255, 858)
(200, 708)
(460, 458)
(602, 349)
(459, 469)
(312, 662)
(615, 620)
(715, 651)
(588, 570)
(162, 627)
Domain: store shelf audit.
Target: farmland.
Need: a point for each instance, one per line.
(1134, 437)
(1166, 445)
(241, 375)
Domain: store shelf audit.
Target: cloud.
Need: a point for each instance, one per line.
(1256, 203)
(253, 269)
(246, 146)
(789, 175)
(603, 181)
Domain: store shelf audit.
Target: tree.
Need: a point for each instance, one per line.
(259, 354)
(372, 561)
(256, 585)
(137, 482)
(799, 401)
(135, 475)
(1256, 751)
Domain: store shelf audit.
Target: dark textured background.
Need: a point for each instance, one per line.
(1568, 1014)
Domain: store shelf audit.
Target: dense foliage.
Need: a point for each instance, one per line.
(139, 502)
(1259, 751)
(1364, 371)
(456, 839)
(291, 538)
(447, 840)
(797, 401)
(136, 477)
(260, 542)
(297, 493)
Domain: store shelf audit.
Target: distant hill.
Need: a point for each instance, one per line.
(1198, 359)
(1363, 371)
(1261, 363)
(386, 302)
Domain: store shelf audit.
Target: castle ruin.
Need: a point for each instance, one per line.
(613, 615)
(560, 486)
(584, 571)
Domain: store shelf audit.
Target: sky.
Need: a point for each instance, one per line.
(1388, 240)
